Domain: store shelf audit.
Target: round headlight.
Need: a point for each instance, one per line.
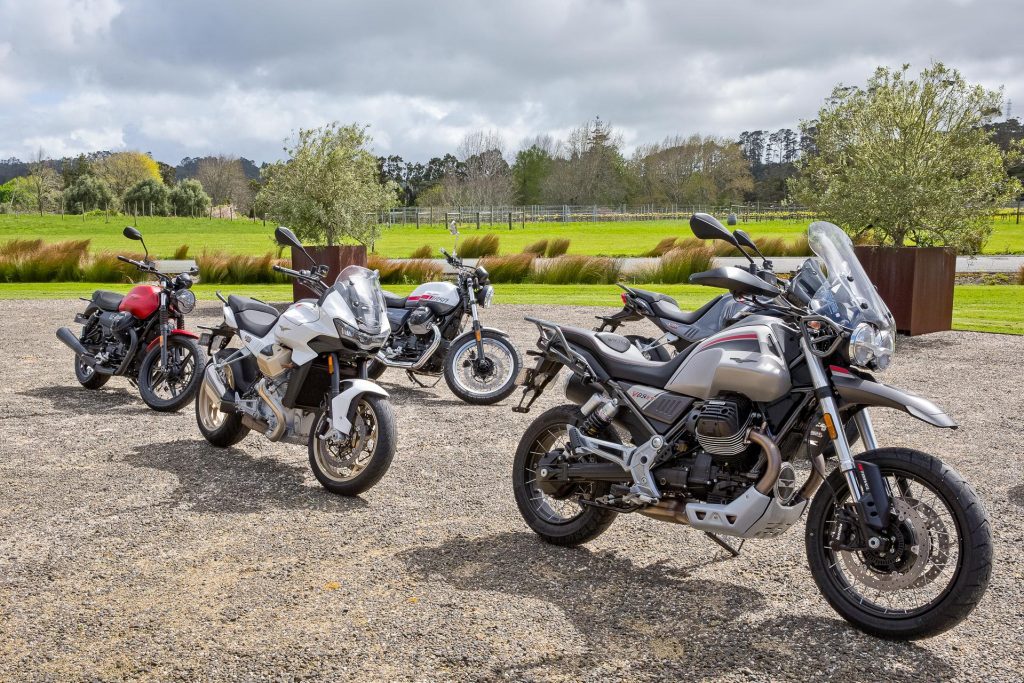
(185, 300)
(481, 273)
(871, 347)
(485, 296)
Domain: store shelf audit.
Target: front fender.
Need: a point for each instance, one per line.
(855, 391)
(172, 333)
(342, 404)
(471, 334)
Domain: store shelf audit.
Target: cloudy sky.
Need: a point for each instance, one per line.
(193, 77)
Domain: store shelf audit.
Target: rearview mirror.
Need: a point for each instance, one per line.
(131, 233)
(286, 238)
(744, 239)
(453, 228)
(706, 227)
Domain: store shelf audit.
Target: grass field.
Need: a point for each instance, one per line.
(980, 308)
(632, 238)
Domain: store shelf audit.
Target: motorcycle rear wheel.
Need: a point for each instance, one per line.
(87, 376)
(937, 566)
(220, 429)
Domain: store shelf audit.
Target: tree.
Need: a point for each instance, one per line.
(693, 170)
(484, 177)
(533, 164)
(148, 197)
(43, 180)
(589, 168)
(124, 169)
(73, 169)
(187, 198)
(167, 173)
(329, 188)
(224, 180)
(909, 159)
(86, 193)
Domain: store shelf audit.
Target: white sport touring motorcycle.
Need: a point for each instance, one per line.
(713, 438)
(300, 376)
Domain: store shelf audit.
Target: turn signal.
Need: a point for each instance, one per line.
(830, 426)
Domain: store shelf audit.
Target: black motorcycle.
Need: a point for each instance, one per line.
(681, 329)
(479, 365)
(140, 336)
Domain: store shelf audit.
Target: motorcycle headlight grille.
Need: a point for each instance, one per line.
(184, 300)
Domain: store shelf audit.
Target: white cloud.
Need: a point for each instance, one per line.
(192, 77)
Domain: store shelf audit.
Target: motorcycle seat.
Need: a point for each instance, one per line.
(621, 360)
(666, 307)
(106, 301)
(253, 316)
(393, 300)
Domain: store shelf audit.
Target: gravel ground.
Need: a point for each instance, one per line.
(130, 549)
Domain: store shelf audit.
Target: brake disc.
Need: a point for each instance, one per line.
(904, 577)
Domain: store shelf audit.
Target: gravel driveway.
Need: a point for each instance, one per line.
(130, 549)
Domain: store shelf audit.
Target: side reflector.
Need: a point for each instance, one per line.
(830, 426)
(330, 364)
(478, 335)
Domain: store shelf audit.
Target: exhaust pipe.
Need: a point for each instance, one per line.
(71, 341)
(419, 362)
(278, 431)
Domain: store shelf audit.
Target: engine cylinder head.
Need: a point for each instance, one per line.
(721, 427)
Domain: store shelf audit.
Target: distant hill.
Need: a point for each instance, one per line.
(189, 167)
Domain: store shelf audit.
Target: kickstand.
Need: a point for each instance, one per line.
(413, 378)
(733, 550)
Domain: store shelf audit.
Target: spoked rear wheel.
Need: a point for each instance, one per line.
(935, 559)
(557, 516)
(87, 375)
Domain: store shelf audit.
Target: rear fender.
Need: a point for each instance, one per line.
(854, 391)
(173, 333)
(344, 403)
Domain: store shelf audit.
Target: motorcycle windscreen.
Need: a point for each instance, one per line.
(848, 296)
(360, 289)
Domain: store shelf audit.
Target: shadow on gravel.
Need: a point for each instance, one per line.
(229, 480)
(1016, 495)
(403, 394)
(78, 400)
(658, 612)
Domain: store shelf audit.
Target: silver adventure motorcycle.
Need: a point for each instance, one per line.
(897, 542)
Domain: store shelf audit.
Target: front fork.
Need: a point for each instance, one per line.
(867, 489)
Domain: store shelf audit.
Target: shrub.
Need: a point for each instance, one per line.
(661, 248)
(799, 247)
(57, 262)
(410, 271)
(16, 248)
(677, 266)
(1020, 276)
(148, 197)
(724, 249)
(477, 247)
(772, 246)
(105, 267)
(557, 247)
(515, 268)
(216, 267)
(583, 270)
(426, 251)
(181, 252)
(537, 248)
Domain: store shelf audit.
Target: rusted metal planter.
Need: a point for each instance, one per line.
(916, 283)
(335, 258)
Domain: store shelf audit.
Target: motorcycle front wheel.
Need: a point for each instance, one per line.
(935, 559)
(355, 463)
(487, 379)
(167, 389)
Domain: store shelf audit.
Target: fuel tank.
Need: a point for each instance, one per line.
(142, 301)
(439, 297)
(743, 359)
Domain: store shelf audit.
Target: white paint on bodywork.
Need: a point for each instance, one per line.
(351, 389)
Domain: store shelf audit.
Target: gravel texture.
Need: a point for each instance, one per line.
(130, 549)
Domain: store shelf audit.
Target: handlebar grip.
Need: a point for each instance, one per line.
(125, 259)
(278, 268)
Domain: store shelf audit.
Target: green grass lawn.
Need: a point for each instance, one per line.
(980, 308)
(627, 238)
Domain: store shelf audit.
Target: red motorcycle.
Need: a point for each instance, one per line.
(140, 336)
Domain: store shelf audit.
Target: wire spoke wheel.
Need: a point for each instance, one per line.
(483, 375)
(344, 459)
(565, 507)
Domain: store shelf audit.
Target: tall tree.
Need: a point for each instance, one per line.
(223, 178)
(329, 189)
(532, 166)
(44, 181)
(909, 159)
(122, 170)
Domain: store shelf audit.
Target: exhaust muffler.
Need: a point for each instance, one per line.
(71, 341)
